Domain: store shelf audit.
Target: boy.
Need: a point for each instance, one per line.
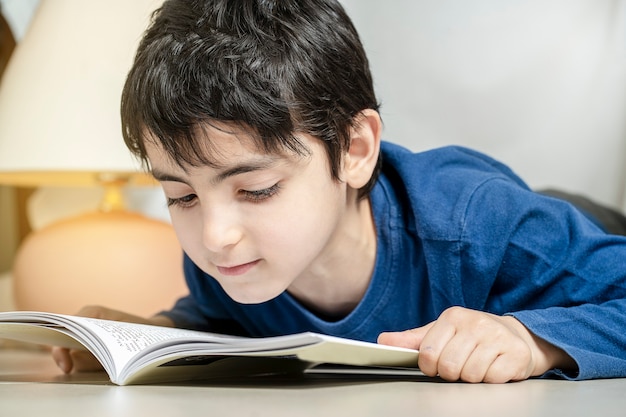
(260, 121)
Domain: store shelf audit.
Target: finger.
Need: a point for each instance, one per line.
(432, 345)
(514, 365)
(503, 370)
(411, 339)
(455, 355)
(478, 363)
(63, 359)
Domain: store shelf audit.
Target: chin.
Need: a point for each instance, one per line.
(251, 297)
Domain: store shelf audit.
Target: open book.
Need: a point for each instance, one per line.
(141, 354)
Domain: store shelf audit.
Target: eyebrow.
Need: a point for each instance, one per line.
(249, 166)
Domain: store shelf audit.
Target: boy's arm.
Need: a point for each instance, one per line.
(473, 346)
(491, 244)
(100, 312)
(546, 264)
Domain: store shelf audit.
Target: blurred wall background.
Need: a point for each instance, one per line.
(539, 84)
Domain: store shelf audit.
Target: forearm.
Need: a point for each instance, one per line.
(161, 320)
(185, 314)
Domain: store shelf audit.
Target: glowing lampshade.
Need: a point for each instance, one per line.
(60, 125)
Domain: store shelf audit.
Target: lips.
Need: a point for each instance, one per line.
(237, 269)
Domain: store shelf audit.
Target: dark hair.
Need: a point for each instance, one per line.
(275, 67)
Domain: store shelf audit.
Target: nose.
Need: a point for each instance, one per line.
(220, 228)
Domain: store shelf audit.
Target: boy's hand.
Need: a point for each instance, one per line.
(474, 346)
(69, 360)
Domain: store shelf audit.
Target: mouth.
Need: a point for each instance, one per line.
(237, 269)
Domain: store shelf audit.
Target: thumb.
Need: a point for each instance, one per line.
(411, 339)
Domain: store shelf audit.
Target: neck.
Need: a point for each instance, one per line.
(337, 281)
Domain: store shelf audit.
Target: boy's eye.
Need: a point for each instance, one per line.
(186, 201)
(256, 196)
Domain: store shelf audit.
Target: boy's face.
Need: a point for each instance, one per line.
(257, 222)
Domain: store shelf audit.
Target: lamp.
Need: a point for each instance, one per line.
(60, 126)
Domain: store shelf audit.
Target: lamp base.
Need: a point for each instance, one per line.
(118, 259)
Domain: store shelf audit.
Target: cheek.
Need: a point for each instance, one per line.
(188, 230)
(302, 222)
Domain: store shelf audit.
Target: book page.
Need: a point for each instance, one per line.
(50, 336)
(125, 341)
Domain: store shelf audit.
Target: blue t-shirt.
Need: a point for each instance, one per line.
(457, 228)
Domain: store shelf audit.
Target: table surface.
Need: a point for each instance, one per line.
(30, 385)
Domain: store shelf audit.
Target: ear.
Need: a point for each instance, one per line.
(360, 160)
